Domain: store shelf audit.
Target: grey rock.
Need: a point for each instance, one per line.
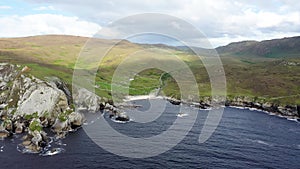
(84, 99)
(76, 119)
(122, 117)
(4, 133)
(42, 98)
(60, 126)
(19, 127)
(63, 87)
(37, 137)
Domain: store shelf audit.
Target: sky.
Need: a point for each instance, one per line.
(221, 21)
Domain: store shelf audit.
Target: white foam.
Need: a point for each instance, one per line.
(253, 109)
(263, 142)
(53, 151)
(207, 109)
(292, 119)
(118, 121)
(260, 142)
(237, 107)
(182, 115)
(140, 97)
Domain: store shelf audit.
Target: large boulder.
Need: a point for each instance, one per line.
(63, 87)
(76, 119)
(22, 94)
(42, 98)
(122, 117)
(84, 99)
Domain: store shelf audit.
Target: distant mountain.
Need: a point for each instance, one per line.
(276, 48)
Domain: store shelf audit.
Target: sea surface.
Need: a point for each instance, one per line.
(243, 139)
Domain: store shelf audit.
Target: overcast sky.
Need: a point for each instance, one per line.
(222, 21)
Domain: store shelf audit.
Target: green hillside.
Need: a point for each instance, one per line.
(276, 48)
(268, 70)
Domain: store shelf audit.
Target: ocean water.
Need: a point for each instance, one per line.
(243, 139)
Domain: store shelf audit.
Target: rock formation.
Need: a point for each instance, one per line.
(28, 104)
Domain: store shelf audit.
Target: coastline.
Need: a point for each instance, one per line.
(289, 112)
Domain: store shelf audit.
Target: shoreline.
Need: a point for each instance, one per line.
(291, 118)
(288, 112)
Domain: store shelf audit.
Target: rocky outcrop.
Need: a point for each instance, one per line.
(115, 113)
(28, 104)
(84, 99)
(290, 111)
(63, 87)
(76, 119)
(41, 98)
(173, 101)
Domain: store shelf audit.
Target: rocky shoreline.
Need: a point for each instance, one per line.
(37, 109)
(288, 111)
(244, 102)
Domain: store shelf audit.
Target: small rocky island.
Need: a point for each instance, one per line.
(37, 109)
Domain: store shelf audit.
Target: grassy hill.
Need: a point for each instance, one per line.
(267, 69)
(276, 48)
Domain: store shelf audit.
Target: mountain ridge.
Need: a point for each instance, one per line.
(274, 48)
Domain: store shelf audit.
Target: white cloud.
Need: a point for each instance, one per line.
(219, 19)
(44, 8)
(39, 24)
(5, 7)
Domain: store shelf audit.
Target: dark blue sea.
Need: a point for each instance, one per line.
(243, 139)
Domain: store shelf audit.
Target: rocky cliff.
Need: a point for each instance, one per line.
(29, 105)
(37, 109)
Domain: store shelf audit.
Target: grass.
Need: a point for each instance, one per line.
(259, 77)
(35, 126)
